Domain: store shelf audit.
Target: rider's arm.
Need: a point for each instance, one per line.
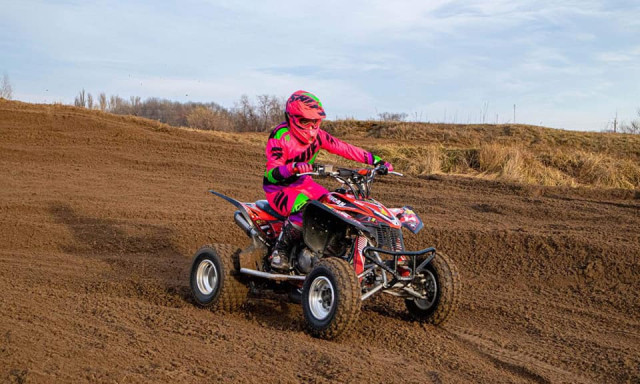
(346, 150)
(277, 169)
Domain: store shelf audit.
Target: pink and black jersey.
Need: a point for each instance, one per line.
(283, 149)
(286, 192)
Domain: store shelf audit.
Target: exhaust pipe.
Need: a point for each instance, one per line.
(271, 276)
(248, 228)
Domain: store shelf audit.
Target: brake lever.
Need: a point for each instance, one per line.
(395, 173)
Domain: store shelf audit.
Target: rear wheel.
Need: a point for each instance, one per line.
(214, 281)
(441, 286)
(331, 298)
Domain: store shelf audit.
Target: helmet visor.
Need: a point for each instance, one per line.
(305, 123)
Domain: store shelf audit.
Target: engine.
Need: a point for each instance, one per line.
(306, 260)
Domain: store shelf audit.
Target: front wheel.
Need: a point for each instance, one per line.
(213, 279)
(441, 286)
(331, 298)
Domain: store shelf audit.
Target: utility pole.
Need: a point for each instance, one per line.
(514, 113)
(615, 123)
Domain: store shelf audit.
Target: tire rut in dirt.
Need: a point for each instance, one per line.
(519, 362)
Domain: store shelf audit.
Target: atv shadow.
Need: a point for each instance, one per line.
(275, 312)
(388, 307)
(144, 262)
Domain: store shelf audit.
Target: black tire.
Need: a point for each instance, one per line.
(443, 275)
(214, 279)
(328, 318)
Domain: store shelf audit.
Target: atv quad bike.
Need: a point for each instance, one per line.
(352, 249)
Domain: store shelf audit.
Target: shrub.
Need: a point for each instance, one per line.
(207, 119)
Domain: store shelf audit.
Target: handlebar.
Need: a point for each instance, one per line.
(357, 180)
(328, 170)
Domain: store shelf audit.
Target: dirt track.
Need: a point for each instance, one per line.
(100, 216)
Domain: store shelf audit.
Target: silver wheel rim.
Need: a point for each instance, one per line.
(207, 277)
(321, 297)
(429, 289)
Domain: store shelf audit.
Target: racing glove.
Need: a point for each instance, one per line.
(376, 160)
(294, 168)
(386, 164)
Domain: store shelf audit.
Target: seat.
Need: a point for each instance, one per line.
(264, 205)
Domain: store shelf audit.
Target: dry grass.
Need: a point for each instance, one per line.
(539, 139)
(515, 153)
(598, 170)
(412, 159)
(515, 163)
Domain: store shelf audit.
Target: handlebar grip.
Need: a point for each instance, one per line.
(382, 169)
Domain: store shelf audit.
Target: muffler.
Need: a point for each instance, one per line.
(248, 227)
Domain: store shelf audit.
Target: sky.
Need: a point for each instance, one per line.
(563, 64)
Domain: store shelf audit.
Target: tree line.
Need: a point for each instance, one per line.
(632, 127)
(258, 115)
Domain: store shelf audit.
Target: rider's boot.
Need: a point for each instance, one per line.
(290, 235)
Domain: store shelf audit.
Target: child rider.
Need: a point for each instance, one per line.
(291, 149)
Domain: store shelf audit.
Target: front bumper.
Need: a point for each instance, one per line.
(372, 255)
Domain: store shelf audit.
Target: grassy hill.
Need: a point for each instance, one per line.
(517, 153)
(513, 153)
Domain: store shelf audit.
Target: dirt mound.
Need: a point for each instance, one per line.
(101, 214)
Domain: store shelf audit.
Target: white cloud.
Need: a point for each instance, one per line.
(614, 57)
(358, 56)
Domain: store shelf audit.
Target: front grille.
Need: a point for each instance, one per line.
(388, 238)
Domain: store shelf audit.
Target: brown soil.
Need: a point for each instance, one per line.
(100, 216)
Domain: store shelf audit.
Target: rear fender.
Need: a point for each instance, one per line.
(244, 212)
(408, 218)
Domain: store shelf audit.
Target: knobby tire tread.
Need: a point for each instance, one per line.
(233, 294)
(450, 285)
(349, 302)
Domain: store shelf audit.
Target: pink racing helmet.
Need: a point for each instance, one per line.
(304, 114)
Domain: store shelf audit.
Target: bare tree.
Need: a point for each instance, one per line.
(6, 91)
(245, 116)
(117, 105)
(89, 101)
(135, 105)
(632, 127)
(102, 101)
(270, 111)
(276, 111)
(263, 111)
(635, 124)
(81, 99)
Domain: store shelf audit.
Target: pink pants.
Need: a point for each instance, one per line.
(288, 200)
